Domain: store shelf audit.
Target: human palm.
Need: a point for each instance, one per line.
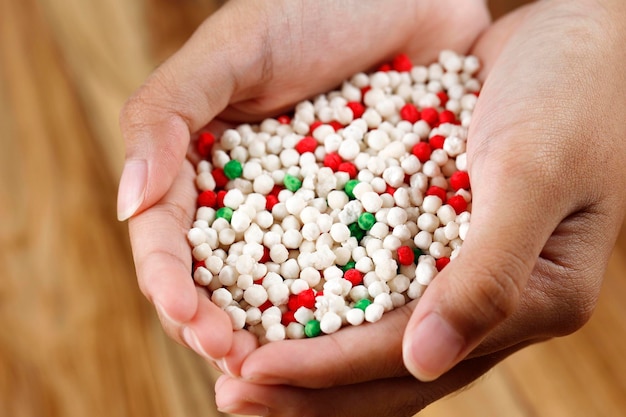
(247, 61)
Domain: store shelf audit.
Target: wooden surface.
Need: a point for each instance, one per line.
(77, 338)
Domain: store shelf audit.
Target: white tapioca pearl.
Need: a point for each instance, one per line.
(196, 236)
(290, 269)
(394, 176)
(279, 253)
(278, 294)
(396, 216)
(330, 323)
(240, 221)
(431, 204)
(423, 239)
(425, 273)
(374, 312)
(237, 317)
(402, 197)
(371, 201)
(221, 297)
(446, 214)
(454, 146)
(263, 184)
(202, 276)
(303, 315)
(275, 332)
(355, 316)
(428, 222)
(372, 118)
(350, 91)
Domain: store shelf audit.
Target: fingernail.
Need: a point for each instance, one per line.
(433, 348)
(132, 188)
(165, 317)
(191, 339)
(221, 363)
(246, 408)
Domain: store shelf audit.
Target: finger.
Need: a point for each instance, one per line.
(352, 355)
(517, 204)
(244, 343)
(394, 397)
(163, 264)
(180, 97)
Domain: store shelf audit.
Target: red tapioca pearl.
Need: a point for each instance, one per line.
(460, 180)
(314, 126)
(197, 264)
(364, 90)
(205, 144)
(319, 293)
(336, 125)
(259, 281)
(207, 198)
(276, 190)
(306, 144)
(306, 298)
(292, 303)
(288, 317)
(220, 178)
(458, 203)
(270, 202)
(390, 190)
(447, 116)
(284, 119)
(332, 161)
(422, 151)
(348, 167)
(354, 276)
(220, 198)
(357, 108)
(438, 191)
(443, 98)
(430, 116)
(407, 179)
(409, 113)
(266, 255)
(436, 142)
(265, 305)
(402, 63)
(441, 263)
(384, 67)
(406, 256)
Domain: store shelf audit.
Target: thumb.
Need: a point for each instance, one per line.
(183, 95)
(517, 202)
(476, 291)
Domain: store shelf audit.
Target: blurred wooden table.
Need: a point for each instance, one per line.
(78, 339)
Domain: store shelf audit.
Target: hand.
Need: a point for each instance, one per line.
(548, 168)
(248, 60)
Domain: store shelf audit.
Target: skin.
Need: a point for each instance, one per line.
(544, 139)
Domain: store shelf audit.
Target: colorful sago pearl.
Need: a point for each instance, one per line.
(342, 210)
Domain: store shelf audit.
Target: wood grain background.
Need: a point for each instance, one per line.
(77, 338)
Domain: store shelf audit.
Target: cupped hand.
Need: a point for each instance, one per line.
(249, 60)
(548, 168)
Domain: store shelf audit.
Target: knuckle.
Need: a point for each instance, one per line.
(495, 291)
(156, 102)
(574, 301)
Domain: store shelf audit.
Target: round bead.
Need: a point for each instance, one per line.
(312, 328)
(233, 169)
(366, 221)
(224, 213)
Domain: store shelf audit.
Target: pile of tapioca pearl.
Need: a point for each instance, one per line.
(342, 211)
